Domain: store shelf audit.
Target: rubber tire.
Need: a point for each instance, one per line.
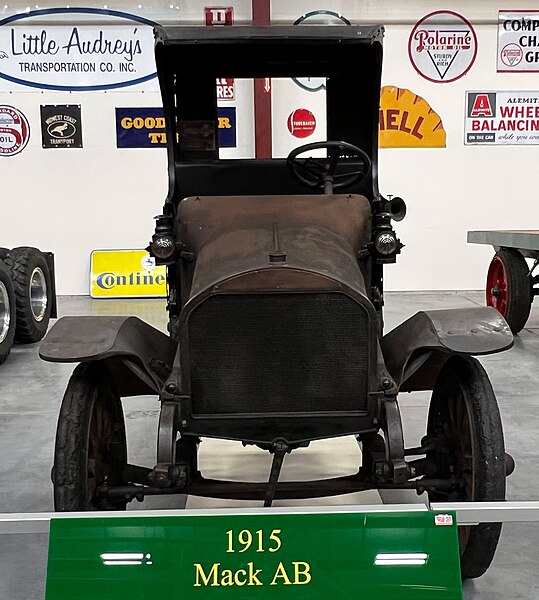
(7, 343)
(519, 288)
(489, 460)
(91, 383)
(21, 262)
(3, 253)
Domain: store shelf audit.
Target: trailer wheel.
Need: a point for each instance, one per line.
(91, 447)
(33, 293)
(7, 313)
(509, 288)
(465, 422)
(3, 253)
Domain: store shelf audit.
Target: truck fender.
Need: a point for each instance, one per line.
(139, 356)
(416, 350)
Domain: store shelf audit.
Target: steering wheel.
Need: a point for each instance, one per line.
(323, 173)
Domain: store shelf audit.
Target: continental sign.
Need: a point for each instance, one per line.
(145, 127)
(126, 274)
(407, 121)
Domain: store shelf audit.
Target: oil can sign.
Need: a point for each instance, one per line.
(14, 130)
(442, 46)
(518, 41)
(37, 51)
(61, 126)
(502, 118)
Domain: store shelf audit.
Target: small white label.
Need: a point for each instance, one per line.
(443, 519)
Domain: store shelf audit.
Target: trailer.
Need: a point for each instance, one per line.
(511, 285)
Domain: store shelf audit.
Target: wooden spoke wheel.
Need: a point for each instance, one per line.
(465, 422)
(91, 448)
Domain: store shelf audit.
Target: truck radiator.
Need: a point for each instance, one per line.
(278, 353)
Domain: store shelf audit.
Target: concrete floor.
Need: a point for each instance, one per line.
(31, 391)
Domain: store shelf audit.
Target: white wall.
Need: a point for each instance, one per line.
(73, 201)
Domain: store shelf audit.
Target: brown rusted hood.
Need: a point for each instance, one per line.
(314, 234)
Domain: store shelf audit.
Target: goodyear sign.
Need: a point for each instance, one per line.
(145, 127)
(126, 274)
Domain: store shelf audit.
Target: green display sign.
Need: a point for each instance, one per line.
(393, 556)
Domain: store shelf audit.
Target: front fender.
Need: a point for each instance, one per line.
(139, 356)
(415, 351)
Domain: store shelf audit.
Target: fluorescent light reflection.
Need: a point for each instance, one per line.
(124, 559)
(402, 559)
(122, 556)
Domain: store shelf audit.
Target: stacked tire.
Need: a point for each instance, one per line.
(26, 297)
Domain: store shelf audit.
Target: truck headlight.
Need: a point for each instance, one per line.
(386, 243)
(162, 246)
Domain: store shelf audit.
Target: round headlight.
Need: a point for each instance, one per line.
(162, 246)
(386, 243)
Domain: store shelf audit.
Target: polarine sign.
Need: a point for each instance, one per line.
(79, 56)
(442, 46)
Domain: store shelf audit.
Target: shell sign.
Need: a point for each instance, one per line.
(407, 121)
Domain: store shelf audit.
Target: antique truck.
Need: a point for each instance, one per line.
(275, 298)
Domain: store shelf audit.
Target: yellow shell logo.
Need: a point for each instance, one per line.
(407, 121)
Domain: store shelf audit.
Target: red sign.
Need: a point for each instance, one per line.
(225, 89)
(301, 123)
(14, 131)
(219, 15)
(481, 106)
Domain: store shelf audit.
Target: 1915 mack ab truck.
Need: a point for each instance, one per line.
(275, 296)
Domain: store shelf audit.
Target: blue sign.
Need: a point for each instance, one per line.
(145, 128)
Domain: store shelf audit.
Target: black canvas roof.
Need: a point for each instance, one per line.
(189, 60)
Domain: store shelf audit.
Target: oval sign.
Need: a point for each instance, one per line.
(442, 46)
(61, 129)
(118, 52)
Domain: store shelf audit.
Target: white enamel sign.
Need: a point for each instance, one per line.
(442, 46)
(119, 52)
(518, 41)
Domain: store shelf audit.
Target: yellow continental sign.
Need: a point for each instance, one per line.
(407, 121)
(126, 274)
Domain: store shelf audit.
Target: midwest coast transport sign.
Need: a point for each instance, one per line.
(442, 46)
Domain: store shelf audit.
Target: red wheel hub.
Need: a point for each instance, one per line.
(497, 292)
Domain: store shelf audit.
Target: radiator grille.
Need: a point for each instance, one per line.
(278, 353)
